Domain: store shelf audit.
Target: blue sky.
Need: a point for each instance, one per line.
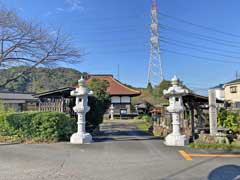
(117, 32)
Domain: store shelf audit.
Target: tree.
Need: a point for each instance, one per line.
(149, 88)
(26, 43)
(99, 103)
(158, 90)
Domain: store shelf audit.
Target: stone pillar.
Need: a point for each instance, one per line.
(81, 108)
(175, 93)
(112, 112)
(212, 112)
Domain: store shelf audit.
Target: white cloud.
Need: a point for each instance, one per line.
(73, 5)
(69, 6)
(59, 9)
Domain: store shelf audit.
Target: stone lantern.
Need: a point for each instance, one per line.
(176, 107)
(81, 108)
(112, 112)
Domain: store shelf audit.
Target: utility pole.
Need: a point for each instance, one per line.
(118, 72)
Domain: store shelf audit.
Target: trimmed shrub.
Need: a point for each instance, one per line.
(37, 126)
(53, 126)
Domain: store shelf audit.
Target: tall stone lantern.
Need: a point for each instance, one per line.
(81, 108)
(176, 107)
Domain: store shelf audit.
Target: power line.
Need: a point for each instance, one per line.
(121, 52)
(198, 25)
(200, 57)
(200, 46)
(202, 37)
(108, 19)
(198, 49)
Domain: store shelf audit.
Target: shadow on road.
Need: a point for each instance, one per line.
(126, 135)
(226, 172)
(182, 171)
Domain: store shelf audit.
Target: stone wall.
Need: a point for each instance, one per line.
(162, 127)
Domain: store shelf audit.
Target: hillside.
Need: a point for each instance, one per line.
(40, 80)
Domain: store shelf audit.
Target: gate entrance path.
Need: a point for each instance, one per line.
(122, 130)
(120, 152)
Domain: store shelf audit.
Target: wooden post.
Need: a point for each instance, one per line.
(199, 112)
(39, 106)
(192, 121)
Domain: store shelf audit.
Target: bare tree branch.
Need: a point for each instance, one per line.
(26, 43)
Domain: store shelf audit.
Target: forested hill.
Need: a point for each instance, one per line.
(41, 79)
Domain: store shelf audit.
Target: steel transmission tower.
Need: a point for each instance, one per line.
(155, 72)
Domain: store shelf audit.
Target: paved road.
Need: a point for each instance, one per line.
(119, 153)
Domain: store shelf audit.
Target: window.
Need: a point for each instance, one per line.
(233, 89)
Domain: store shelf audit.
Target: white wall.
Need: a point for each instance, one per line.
(125, 99)
(115, 99)
(219, 94)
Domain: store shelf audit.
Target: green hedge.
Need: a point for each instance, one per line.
(37, 126)
(215, 146)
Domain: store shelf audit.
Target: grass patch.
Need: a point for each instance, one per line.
(10, 139)
(143, 126)
(232, 146)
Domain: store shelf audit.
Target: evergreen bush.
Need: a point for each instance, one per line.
(37, 126)
(98, 103)
(228, 119)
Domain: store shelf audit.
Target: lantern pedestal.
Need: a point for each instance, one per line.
(84, 138)
(176, 140)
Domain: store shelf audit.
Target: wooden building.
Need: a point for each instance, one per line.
(120, 95)
(19, 101)
(56, 100)
(60, 99)
(194, 118)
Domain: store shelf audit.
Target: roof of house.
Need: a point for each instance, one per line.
(236, 81)
(17, 96)
(115, 87)
(220, 86)
(65, 92)
(198, 98)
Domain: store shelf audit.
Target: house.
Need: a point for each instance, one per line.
(232, 93)
(60, 99)
(19, 101)
(56, 100)
(120, 95)
(219, 91)
(143, 107)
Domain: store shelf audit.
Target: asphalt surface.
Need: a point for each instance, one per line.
(120, 152)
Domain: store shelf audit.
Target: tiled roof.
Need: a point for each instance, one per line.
(16, 96)
(233, 82)
(220, 86)
(115, 87)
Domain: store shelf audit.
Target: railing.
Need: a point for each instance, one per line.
(56, 105)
